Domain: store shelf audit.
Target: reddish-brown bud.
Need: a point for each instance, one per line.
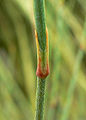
(42, 74)
(43, 62)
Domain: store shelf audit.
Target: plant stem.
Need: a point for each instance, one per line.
(40, 22)
(40, 98)
(42, 56)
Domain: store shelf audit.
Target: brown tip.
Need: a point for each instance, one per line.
(42, 74)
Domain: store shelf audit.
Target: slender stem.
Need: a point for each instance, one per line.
(40, 98)
(39, 11)
(42, 56)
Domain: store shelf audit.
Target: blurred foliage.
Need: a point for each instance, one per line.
(66, 84)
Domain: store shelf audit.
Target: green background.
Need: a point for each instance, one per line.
(65, 97)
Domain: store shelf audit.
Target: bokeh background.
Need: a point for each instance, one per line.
(65, 97)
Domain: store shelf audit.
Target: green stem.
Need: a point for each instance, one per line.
(40, 22)
(42, 55)
(40, 98)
